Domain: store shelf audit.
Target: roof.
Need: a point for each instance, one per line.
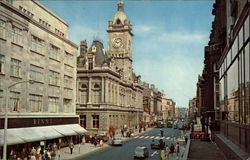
(121, 16)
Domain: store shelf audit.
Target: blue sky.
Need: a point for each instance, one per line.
(169, 37)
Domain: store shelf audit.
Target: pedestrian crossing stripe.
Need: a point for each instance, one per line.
(153, 137)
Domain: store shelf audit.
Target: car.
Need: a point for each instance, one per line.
(141, 152)
(102, 136)
(117, 141)
(157, 144)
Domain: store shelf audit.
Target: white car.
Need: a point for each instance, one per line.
(141, 152)
(117, 141)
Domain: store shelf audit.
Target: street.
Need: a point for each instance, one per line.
(126, 151)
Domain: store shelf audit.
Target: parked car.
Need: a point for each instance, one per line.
(141, 152)
(102, 136)
(87, 138)
(157, 144)
(117, 141)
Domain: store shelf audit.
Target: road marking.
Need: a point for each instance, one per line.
(158, 137)
(136, 136)
(168, 138)
(141, 137)
(155, 152)
(152, 137)
(147, 137)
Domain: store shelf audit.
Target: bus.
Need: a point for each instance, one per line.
(159, 122)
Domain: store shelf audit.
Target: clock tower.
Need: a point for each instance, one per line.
(120, 41)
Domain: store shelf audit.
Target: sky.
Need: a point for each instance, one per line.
(168, 43)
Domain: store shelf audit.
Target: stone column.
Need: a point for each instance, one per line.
(106, 90)
(102, 92)
(90, 91)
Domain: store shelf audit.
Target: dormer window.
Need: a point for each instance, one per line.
(93, 48)
(118, 21)
(90, 63)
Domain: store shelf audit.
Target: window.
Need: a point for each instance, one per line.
(68, 81)
(83, 94)
(83, 121)
(2, 29)
(2, 63)
(246, 27)
(247, 84)
(67, 105)
(54, 52)
(54, 78)
(90, 63)
(53, 104)
(35, 103)
(69, 59)
(1, 101)
(37, 44)
(232, 92)
(95, 121)
(14, 104)
(16, 35)
(36, 73)
(15, 67)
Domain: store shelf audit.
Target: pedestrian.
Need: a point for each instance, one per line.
(32, 157)
(171, 148)
(177, 149)
(71, 146)
(94, 142)
(122, 131)
(186, 139)
(163, 154)
(167, 152)
(161, 133)
(101, 143)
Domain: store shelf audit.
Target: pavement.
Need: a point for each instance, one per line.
(87, 148)
(204, 150)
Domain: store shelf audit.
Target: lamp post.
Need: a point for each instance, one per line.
(6, 116)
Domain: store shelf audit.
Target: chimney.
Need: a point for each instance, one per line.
(83, 48)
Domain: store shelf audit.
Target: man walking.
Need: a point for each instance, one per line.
(71, 146)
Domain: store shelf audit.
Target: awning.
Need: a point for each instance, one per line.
(33, 134)
(11, 138)
(77, 128)
(65, 130)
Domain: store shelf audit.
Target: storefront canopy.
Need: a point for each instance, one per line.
(32, 134)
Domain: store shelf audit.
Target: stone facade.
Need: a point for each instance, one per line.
(108, 92)
(34, 46)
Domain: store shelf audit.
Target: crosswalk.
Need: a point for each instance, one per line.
(152, 137)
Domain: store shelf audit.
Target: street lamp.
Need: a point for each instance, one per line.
(6, 116)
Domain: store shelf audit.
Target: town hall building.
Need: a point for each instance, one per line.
(108, 91)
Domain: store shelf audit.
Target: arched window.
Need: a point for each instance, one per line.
(96, 86)
(118, 21)
(84, 86)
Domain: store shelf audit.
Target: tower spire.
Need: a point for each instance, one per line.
(120, 5)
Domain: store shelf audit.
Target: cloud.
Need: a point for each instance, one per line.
(142, 29)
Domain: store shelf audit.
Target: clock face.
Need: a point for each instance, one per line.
(117, 42)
